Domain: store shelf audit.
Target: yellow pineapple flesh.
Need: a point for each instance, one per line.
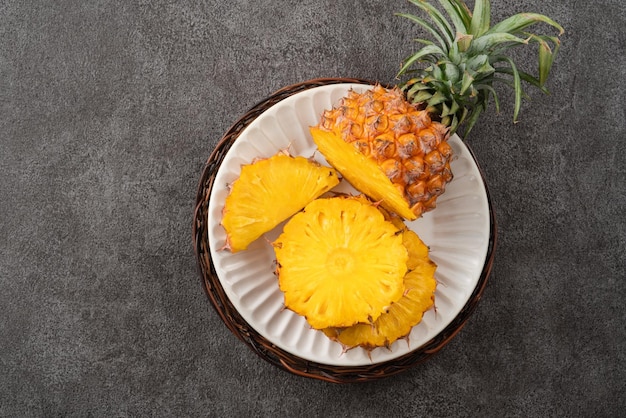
(396, 155)
(403, 315)
(339, 262)
(267, 192)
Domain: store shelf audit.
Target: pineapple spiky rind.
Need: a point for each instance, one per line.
(387, 149)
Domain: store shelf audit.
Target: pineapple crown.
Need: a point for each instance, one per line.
(455, 74)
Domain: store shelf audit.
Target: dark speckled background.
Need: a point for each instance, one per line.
(108, 112)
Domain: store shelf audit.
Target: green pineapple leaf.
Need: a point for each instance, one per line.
(521, 21)
(459, 15)
(455, 79)
(481, 18)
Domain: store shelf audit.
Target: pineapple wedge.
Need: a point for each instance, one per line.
(269, 191)
(361, 172)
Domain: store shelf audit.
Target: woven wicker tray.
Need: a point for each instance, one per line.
(258, 343)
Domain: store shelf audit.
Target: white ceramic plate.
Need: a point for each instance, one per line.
(457, 232)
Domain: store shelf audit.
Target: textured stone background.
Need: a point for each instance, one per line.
(108, 111)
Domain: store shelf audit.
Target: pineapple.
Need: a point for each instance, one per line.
(349, 266)
(399, 319)
(340, 262)
(402, 132)
(387, 149)
(267, 192)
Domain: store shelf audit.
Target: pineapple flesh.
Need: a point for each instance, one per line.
(267, 192)
(403, 315)
(340, 262)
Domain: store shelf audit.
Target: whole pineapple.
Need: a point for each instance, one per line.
(402, 132)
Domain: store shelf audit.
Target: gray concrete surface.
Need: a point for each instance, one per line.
(108, 111)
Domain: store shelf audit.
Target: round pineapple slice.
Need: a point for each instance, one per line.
(339, 262)
(388, 149)
(403, 315)
(267, 192)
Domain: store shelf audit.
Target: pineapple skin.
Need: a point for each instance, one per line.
(394, 137)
